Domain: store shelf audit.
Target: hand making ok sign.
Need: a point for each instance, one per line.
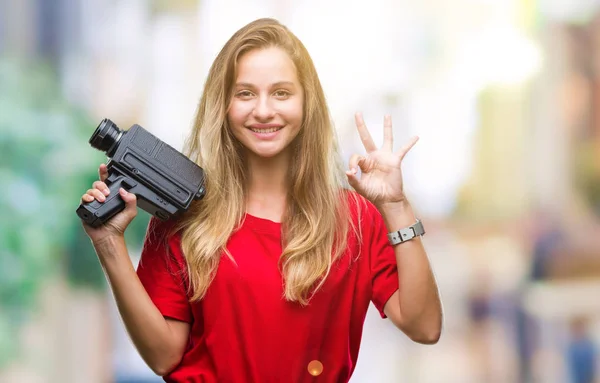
(381, 175)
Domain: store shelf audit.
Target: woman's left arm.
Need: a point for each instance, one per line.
(416, 307)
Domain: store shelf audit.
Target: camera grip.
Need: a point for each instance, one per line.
(96, 213)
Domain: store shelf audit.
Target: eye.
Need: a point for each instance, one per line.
(281, 94)
(244, 94)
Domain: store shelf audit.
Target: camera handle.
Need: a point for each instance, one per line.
(96, 213)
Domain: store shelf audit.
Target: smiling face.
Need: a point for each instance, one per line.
(266, 111)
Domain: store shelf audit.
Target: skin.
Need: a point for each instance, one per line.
(268, 95)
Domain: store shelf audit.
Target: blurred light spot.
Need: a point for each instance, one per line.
(501, 55)
(315, 368)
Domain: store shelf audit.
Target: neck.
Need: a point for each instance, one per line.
(267, 187)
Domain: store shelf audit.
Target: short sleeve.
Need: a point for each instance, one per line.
(384, 269)
(162, 272)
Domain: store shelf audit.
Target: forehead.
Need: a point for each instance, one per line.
(266, 66)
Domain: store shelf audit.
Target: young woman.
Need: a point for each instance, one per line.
(269, 277)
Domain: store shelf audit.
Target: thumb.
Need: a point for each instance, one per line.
(130, 202)
(353, 179)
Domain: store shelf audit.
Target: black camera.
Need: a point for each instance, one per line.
(164, 181)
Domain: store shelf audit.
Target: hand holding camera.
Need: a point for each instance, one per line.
(142, 170)
(118, 223)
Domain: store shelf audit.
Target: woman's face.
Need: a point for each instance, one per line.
(267, 108)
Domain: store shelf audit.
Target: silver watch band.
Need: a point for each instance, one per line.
(407, 233)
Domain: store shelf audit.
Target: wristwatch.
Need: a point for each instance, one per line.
(406, 234)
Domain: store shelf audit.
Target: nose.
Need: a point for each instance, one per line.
(263, 110)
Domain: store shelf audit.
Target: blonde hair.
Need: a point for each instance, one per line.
(317, 220)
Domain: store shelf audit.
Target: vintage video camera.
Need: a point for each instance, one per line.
(164, 181)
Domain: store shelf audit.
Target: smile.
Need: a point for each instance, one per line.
(267, 130)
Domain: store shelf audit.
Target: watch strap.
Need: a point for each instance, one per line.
(407, 233)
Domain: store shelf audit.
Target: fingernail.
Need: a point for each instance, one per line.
(106, 191)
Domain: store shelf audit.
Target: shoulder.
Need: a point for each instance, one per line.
(161, 231)
(164, 237)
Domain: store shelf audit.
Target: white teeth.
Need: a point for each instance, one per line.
(269, 130)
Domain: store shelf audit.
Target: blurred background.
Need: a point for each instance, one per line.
(504, 95)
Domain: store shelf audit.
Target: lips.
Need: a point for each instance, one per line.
(265, 128)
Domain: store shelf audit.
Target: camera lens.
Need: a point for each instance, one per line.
(106, 136)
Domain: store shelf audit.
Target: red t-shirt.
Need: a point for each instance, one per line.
(243, 331)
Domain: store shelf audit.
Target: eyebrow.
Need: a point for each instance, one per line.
(279, 83)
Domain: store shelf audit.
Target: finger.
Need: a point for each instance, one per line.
(402, 152)
(353, 180)
(388, 140)
(87, 198)
(102, 187)
(354, 162)
(97, 194)
(364, 134)
(103, 172)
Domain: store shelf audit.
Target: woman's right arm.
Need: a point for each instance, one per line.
(160, 341)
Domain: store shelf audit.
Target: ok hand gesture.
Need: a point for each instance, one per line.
(381, 175)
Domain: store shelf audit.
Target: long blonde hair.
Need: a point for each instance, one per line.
(317, 220)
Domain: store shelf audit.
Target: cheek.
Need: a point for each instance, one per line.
(294, 111)
(238, 113)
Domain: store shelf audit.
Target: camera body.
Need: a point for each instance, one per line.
(164, 181)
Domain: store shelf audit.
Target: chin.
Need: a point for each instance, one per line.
(264, 150)
(267, 153)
